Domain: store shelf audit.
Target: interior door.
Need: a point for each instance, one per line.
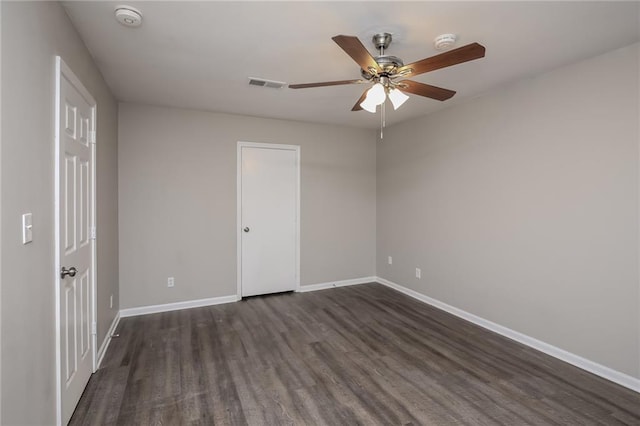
(269, 218)
(74, 237)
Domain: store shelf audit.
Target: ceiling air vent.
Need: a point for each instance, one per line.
(266, 83)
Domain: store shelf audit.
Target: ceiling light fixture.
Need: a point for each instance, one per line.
(384, 85)
(397, 98)
(390, 73)
(379, 93)
(375, 96)
(369, 105)
(128, 16)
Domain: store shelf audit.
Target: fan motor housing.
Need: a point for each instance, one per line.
(388, 64)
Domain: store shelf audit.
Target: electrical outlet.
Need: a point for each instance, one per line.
(390, 260)
(111, 302)
(171, 282)
(418, 273)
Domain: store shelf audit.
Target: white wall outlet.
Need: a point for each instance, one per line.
(418, 273)
(111, 302)
(390, 260)
(27, 228)
(171, 282)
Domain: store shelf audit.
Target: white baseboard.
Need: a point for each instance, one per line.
(332, 284)
(167, 307)
(107, 339)
(571, 358)
(153, 309)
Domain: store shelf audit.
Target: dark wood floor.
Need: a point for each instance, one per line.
(353, 355)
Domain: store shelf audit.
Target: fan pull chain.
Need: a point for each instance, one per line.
(382, 105)
(382, 121)
(384, 115)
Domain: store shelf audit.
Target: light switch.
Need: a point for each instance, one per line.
(27, 228)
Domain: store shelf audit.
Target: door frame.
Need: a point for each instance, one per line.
(296, 149)
(63, 71)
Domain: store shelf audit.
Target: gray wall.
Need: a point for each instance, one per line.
(0, 217)
(521, 207)
(177, 172)
(32, 34)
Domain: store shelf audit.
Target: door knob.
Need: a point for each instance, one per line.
(71, 272)
(246, 229)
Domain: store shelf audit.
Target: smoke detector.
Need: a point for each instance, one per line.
(445, 41)
(128, 16)
(272, 84)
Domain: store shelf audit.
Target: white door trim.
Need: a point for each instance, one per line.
(61, 69)
(241, 145)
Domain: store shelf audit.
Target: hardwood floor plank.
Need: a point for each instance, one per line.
(354, 355)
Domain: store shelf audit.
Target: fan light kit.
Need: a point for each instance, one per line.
(128, 16)
(386, 72)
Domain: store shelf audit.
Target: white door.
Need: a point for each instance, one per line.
(75, 192)
(268, 234)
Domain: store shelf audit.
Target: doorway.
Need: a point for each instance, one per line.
(268, 218)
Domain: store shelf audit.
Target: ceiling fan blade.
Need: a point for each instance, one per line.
(453, 57)
(354, 48)
(426, 90)
(357, 106)
(324, 83)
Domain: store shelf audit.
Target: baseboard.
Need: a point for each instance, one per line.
(167, 307)
(332, 284)
(571, 358)
(107, 339)
(153, 309)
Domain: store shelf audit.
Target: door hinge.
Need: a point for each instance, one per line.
(92, 135)
(94, 328)
(93, 233)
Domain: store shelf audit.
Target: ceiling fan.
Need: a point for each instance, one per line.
(387, 72)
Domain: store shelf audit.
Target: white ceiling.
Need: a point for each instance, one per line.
(200, 54)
